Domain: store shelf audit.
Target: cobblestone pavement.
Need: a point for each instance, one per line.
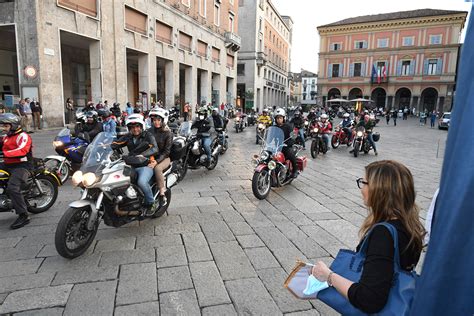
(220, 251)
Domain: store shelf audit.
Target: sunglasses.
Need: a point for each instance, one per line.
(361, 183)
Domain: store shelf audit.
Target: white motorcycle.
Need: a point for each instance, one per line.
(109, 192)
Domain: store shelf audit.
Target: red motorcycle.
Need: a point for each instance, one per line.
(341, 136)
(273, 169)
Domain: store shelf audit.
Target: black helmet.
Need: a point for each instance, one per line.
(12, 119)
(91, 114)
(202, 111)
(297, 113)
(116, 104)
(104, 113)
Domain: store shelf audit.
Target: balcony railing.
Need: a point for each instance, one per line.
(380, 80)
(232, 41)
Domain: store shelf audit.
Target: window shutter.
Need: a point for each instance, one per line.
(341, 70)
(425, 67)
(439, 66)
(399, 68)
(351, 70)
(362, 70)
(412, 67)
(365, 44)
(330, 71)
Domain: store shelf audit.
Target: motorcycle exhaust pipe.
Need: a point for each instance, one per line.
(125, 213)
(217, 150)
(171, 180)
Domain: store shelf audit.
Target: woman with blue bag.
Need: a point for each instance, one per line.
(379, 277)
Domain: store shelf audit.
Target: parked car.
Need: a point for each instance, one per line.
(443, 122)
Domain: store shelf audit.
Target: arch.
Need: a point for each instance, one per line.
(429, 99)
(355, 93)
(402, 98)
(334, 93)
(378, 96)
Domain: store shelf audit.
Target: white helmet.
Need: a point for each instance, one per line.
(324, 116)
(280, 112)
(346, 115)
(135, 119)
(163, 113)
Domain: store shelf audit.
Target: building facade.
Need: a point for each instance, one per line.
(400, 59)
(176, 51)
(309, 88)
(264, 59)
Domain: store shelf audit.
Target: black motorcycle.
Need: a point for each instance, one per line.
(195, 156)
(361, 142)
(317, 145)
(173, 115)
(221, 139)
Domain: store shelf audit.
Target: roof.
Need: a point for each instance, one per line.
(393, 16)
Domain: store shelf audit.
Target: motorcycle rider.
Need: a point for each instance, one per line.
(92, 127)
(164, 141)
(108, 122)
(137, 138)
(298, 122)
(346, 125)
(264, 118)
(369, 125)
(287, 150)
(116, 110)
(311, 115)
(325, 126)
(203, 125)
(219, 122)
(16, 147)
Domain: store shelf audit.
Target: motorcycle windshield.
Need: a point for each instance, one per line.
(185, 129)
(274, 139)
(64, 132)
(98, 153)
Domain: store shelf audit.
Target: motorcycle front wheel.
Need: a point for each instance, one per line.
(72, 237)
(213, 164)
(335, 141)
(225, 146)
(52, 165)
(314, 148)
(236, 129)
(41, 202)
(356, 149)
(261, 184)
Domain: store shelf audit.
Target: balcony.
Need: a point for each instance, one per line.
(261, 59)
(380, 80)
(232, 41)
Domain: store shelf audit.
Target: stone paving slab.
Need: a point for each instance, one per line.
(209, 286)
(91, 299)
(83, 275)
(19, 267)
(174, 279)
(170, 256)
(181, 303)
(137, 284)
(227, 310)
(142, 309)
(24, 282)
(55, 311)
(232, 261)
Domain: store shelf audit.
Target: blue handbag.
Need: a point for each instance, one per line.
(349, 264)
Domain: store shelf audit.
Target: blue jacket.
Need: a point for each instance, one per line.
(109, 126)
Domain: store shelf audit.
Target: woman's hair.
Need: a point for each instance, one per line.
(392, 195)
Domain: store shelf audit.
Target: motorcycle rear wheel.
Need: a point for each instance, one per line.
(261, 184)
(51, 194)
(335, 142)
(314, 148)
(72, 237)
(213, 163)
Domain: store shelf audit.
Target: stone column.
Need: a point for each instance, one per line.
(171, 82)
(144, 77)
(231, 88)
(152, 82)
(205, 87)
(95, 68)
(216, 86)
(190, 74)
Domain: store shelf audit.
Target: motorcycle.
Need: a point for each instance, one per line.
(239, 123)
(298, 140)
(173, 115)
(70, 152)
(40, 190)
(109, 193)
(361, 141)
(317, 145)
(260, 133)
(273, 169)
(251, 119)
(221, 139)
(341, 136)
(195, 156)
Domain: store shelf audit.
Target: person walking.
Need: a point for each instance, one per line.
(394, 117)
(387, 116)
(186, 111)
(433, 118)
(69, 111)
(37, 113)
(20, 111)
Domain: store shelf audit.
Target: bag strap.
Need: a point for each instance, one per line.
(394, 233)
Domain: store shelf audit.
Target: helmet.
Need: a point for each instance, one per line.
(91, 114)
(202, 111)
(116, 104)
(164, 114)
(280, 112)
(12, 119)
(346, 115)
(324, 116)
(104, 113)
(135, 119)
(265, 111)
(297, 113)
(215, 109)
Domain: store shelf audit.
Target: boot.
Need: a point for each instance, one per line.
(162, 200)
(22, 220)
(150, 209)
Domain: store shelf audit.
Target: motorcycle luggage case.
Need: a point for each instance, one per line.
(178, 148)
(302, 162)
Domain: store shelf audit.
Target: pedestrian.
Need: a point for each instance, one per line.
(129, 108)
(387, 116)
(422, 118)
(186, 111)
(20, 111)
(37, 113)
(394, 117)
(69, 111)
(433, 118)
(222, 107)
(106, 105)
(388, 192)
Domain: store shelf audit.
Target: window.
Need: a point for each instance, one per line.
(216, 54)
(405, 68)
(164, 33)
(230, 61)
(357, 69)
(432, 66)
(408, 41)
(360, 44)
(217, 14)
(260, 25)
(202, 49)
(435, 39)
(202, 7)
(241, 70)
(231, 23)
(382, 43)
(88, 7)
(335, 70)
(336, 46)
(185, 41)
(304, 82)
(135, 21)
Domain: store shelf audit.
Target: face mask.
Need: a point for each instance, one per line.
(313, 285)
(201, 117)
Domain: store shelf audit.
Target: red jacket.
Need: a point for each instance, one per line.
(17, 148)
(325, 127)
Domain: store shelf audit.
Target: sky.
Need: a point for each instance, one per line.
(308, 14)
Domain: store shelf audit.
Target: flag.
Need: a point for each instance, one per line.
(384, 73)
(446, 285)
(374, 72)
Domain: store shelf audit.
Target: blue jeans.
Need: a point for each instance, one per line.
(144, 177)
(301, 135)
(206, 143)
(370, 138)
(326, 139)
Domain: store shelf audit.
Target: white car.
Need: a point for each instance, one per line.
(443, 122)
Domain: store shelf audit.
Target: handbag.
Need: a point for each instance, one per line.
(349, 264)
(297, 282)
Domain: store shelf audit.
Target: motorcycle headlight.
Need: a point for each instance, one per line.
(237, 119)
(272, 165)
(264, 155)
(89, 179)
(306, 123)
(315, 130)
(57, 143)
(77, 178)
(261, 126)
(201, 117)
(360, 134)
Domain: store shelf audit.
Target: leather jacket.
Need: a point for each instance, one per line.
(297, 121)
(91, 129)
(218, 121)
(164, 141)
(137, 147)
(203, 127)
